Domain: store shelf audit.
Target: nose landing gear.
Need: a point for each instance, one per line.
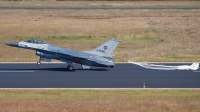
(39, 63)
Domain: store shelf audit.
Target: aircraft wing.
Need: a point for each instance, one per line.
(66, 54)
(77, 56)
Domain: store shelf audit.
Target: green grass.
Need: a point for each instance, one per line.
(154, 35)
(74, 100)
(72, 94)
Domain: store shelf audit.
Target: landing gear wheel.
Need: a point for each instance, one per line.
(71, 68)
(38, 63)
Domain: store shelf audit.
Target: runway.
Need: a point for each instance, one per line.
(98, 7)
(123, 75)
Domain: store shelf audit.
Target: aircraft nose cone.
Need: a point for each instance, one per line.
(14, 44)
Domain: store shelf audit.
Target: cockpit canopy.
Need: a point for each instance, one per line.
(36, 41)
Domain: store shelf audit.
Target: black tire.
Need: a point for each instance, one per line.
(38, 63)
(71, 68)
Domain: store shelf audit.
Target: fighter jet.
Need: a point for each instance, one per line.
(99, 57)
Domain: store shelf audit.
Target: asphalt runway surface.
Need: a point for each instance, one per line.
(99, 7)
(124, 75)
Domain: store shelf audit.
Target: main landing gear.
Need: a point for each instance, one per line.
(39, 63)
(70, 67)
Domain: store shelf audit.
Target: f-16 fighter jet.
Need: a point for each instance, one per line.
(99, 57)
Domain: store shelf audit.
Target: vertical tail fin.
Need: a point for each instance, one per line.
(106, 49)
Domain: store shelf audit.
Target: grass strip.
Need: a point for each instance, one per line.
(71, 100)
(99, 100)
(76, 94)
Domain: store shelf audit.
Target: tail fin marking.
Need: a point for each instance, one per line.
(106, 49)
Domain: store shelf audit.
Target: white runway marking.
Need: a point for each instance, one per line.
(196, 71)
(16, 71)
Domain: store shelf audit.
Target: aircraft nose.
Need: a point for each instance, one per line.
(14, 44)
